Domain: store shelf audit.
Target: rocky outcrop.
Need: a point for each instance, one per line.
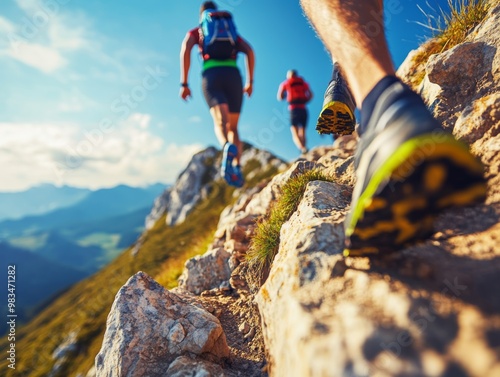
(415, 314)
(153, 332)
(195, 182)
(189, 188)
(67, 347)
(234, 233)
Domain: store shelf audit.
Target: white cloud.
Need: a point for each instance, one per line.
(29, 5)
(6, 26)
(43, 58)
(127, 153)
(195, 119)
(69, 35)
(74, 101)
(43, 36)
(142, 120)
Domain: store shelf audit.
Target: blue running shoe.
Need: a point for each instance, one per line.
(228, 154)
(337, 116)
(237, 179)
(408, 170)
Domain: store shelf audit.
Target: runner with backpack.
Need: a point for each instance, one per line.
(219, 44)
(297, 93)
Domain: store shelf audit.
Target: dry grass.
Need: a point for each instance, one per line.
(449, 28)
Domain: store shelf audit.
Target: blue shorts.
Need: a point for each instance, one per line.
(223, 85)
(298, 117)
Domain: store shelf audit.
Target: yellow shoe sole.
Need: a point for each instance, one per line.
(336, 118)
(423, 177)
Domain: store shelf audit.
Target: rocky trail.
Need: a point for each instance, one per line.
(240, 320)
(432, 309)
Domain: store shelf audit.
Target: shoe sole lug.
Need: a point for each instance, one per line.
(406, 199)
(336, 118)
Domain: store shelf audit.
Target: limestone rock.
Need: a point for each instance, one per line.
(232, 238)
(149, 327)
(187, 190)
(62, 352)
(185, 366)
(309, 242)
(462, 86)
(177, 201)
(159, 208)
(194, 183)
(323, 317)
(205, 272)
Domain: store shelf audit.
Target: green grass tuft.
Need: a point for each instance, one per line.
(265, 243)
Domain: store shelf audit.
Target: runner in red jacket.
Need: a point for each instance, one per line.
(297, 93)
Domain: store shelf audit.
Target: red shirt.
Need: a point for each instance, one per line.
(302, 96)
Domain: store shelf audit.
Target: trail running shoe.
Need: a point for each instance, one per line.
(408, 171)
(337, 115)
(237, 177)
(229, 152)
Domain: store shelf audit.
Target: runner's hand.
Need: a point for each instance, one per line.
(185, 93)
(248, 89)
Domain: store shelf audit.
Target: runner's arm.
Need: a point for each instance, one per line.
(281, 92)
(185, 57)
(250, 65)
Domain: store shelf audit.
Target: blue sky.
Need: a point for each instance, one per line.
(90, 87)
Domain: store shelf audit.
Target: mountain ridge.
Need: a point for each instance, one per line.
(96, 204)
(75, 249)
(38, 200)
(77, 318)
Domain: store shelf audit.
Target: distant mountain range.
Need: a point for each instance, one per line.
(46, 198)
(83, 232)
(84, 307)
(93, 206)
(39, 200)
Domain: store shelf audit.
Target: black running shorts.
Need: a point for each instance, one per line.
(298, 117)
(223, 85)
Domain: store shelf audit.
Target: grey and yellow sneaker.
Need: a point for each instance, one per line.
(337, 115)
(408, 170)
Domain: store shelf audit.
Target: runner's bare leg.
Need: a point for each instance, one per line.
(353, 33)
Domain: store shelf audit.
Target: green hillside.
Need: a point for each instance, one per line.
(37, 279)
(84, 308)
